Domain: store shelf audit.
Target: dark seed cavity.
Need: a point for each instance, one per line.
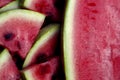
(94, 11)
(91, 4)
(41, 58)
(9, 36)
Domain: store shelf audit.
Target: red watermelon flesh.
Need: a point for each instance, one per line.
(43, 6)
(18, 32)
(8, 69)
(4, 2)
(95, 43)
(42, 71)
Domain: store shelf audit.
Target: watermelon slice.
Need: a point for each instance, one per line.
(8, 70)
(4, 2)
(43, 71)
(10, 6)
(18, 30)
(44, 47)
(91, 40)
(43, 6)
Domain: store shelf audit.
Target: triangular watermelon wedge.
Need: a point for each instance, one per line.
(45, 46)
(18, 30)
(8, 69)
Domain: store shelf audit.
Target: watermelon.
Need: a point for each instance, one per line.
(44, 47)
(42, 71)
(18, 30)
(43, 6)
(4, 2)
(10, 6)
(91, 38)
(8, 69)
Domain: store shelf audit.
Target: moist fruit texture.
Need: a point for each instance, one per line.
(18, 30)
(42, 71)
(92, 40)
(45, 46)
(43, 6)
(8, 69)
(4, 2)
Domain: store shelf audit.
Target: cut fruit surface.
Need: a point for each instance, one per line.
(43, 71)
(10, 6)
(4, 2)
(91, 40)
(8, 70)
(43, 6)
(18, 30)
(45, 45)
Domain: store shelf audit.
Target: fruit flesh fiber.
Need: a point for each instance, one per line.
(95, 40)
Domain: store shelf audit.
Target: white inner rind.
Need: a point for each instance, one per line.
(4, 57)
(21, 13)
(28, 75)
(10, 6)
(45, 35)
(27, 3)
(67, 40)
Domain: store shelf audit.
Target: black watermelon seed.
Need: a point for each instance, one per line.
(8, 36)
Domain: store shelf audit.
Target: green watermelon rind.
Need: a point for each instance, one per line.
(27, 3)
(10, 6)
(67, 40)
(21, 13)
(45, 34)
(4, 57)
(27, 74)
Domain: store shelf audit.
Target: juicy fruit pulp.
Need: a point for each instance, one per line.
(19, 29)
(8, 69)
(44, 47)
(91, 40)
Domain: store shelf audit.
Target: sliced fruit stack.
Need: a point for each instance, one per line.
(30, 40)
(29, 47)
